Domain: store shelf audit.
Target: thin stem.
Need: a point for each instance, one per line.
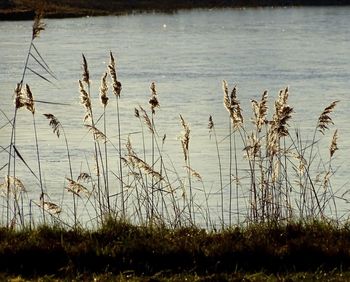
(152, 184)
(220, 175)
(106, 160)
(39, 167)
(230, 180)
(120, 161)
(236, 178)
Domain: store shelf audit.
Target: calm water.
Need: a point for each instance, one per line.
(187, 54)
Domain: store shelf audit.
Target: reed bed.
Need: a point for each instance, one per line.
(284, 177)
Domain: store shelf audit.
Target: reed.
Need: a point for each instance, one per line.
(24, 98)
(117, 88)
(273, 175)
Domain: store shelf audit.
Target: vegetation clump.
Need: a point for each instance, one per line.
(120, 247)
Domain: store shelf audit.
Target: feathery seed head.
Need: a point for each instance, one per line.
(99, 135)
(117, 86)
(194, 173)
(38, 25)
(283, 113)
(86, 74)
(153, 101)
(54, 123)
(137, 113)
(253, 147)
(232, 105)
(129, 146)
(50, 207)
(260, 111)
(84, 177)
(147, 119)
(153, 88)
(76, 188)
(29, 100)
(85, 100)
(19, 97)
(145, 167)
(12, 185)
(185, 139)
(227, 102)
(233, 96)
(325, 119)
(210, 123)
(103, 90)
(334, 146)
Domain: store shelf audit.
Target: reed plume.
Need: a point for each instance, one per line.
(50, 207)
(129, 147)
(84, 177)
(85, 101)
(334, 146)
(38, 25)
(12, 185)
(185, 138)
(104, 90)
(86, 74)
(279, 123)
(210, 124)
(153, 101)
(144, 166)
(29, 103)
(19, 99)
(137, 113)
(76, 188)
(117, 86)
(232, 105)
(98, 134)
(253, 148)
(260, 111)
(146, 119)
(325, 119)
(54, 123)
(194, 173)
(282, 114)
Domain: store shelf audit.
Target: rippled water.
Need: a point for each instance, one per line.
(187, 54)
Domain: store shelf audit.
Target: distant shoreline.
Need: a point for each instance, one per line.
(24, 9)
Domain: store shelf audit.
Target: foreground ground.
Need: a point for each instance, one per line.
(24, 9)
(247, 277)
(120, 251)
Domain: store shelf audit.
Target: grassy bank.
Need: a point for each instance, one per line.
(118, 247)
(23, 9)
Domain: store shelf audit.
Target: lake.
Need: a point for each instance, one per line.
(187, 54)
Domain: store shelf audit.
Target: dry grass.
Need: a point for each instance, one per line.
(282, 177)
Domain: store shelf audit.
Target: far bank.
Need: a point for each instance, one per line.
(25, 9)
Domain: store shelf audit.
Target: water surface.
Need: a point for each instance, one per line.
(187, 54)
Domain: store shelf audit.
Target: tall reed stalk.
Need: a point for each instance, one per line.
(57, 127)
(233, 107)
(86, 102)
(117, 88)
(38, 26)
(104, 102)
